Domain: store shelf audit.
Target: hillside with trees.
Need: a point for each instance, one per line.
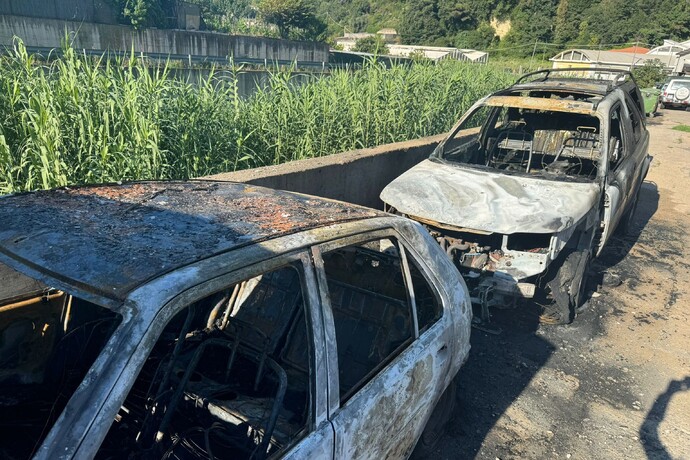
(461, 23)
(467, 23)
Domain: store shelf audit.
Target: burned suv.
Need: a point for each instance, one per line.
(530, 184)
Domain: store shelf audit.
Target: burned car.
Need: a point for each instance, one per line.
(530, 184)
(220, 320)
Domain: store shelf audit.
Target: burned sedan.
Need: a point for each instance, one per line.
(530, 184)
(219, 320)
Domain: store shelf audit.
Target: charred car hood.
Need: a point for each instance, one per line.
(489, 201)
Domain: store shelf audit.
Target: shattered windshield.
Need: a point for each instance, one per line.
(549, 144)
(48, 341)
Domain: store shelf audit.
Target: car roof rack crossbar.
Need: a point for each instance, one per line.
(621, 75)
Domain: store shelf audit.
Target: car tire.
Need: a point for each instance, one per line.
(653, 112)
(566, 287)
(626, 224)
(437, 423)
(661, 105)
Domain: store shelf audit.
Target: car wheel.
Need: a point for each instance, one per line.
(436, 426)
(566, 288)
(626, 224)
(661, 105)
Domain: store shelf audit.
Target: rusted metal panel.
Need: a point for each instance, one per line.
(110, 239)
(537, 103)
(489, 201)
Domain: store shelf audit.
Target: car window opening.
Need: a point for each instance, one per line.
(546, 143)
(371, 310)
(48, 341)
(229, 377)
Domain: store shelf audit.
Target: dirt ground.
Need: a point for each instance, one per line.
(616, 382)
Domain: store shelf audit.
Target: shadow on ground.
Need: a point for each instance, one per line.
(501, 367)
(619, 245)
(649, 431)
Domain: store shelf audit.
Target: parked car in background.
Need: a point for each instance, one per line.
(530, 184)
(676, 93)
(221, 320)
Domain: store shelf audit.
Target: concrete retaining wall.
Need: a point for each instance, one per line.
(47, 33)
(72, 10)
(357, 176)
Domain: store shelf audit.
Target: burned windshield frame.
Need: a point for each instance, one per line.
(550, 144)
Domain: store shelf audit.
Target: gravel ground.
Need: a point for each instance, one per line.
(616, 382)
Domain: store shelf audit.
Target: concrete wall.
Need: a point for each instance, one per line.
(47, 33)
(74, 10)
(357, 176)
(248, 81)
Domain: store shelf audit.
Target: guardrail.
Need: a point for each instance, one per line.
(190, 59)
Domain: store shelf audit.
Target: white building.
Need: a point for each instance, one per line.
(436, 53)
(581, 58)
(672, 55)
(349, 40)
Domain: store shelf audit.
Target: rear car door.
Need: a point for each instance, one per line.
(627, 144)
(388, 333)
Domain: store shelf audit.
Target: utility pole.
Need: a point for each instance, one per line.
(534, 51)
(632, 64)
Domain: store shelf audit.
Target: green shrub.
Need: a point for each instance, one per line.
(75, 120)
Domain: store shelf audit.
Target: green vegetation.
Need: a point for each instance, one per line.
(373, 44)
(77, 120)
(294, 18)
(536, 26)
(683, 128)
(561, 23)
(648, 75)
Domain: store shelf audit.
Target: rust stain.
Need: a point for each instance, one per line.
(537, 103)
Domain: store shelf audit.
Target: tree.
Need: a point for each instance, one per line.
(289, 15)
(569, 17)
(373, 44)
(480, 38)
(224, 15)
(532, 21)
(144, 13)
(651, 73)
(455, 16)
(420, 24)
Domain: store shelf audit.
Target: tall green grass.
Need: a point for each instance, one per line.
(74, 119)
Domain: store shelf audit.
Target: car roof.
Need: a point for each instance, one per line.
(600, 87)
(110, 239)
(588, 80)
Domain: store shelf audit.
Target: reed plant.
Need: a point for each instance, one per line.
(72, 119)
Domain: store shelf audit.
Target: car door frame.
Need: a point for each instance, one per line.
(399, 445)
(317, 441)
(622, 181)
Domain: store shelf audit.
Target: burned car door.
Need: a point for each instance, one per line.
(627, 163)
(389, 336)
(230, 371)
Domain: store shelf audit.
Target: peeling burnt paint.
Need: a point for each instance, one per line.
(110, 239)
(536, 103)
(489, 201)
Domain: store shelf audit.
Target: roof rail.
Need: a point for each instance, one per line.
(621, 76)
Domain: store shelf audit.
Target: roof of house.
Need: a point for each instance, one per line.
(600, 56)
(632, 49)
(111, 239)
